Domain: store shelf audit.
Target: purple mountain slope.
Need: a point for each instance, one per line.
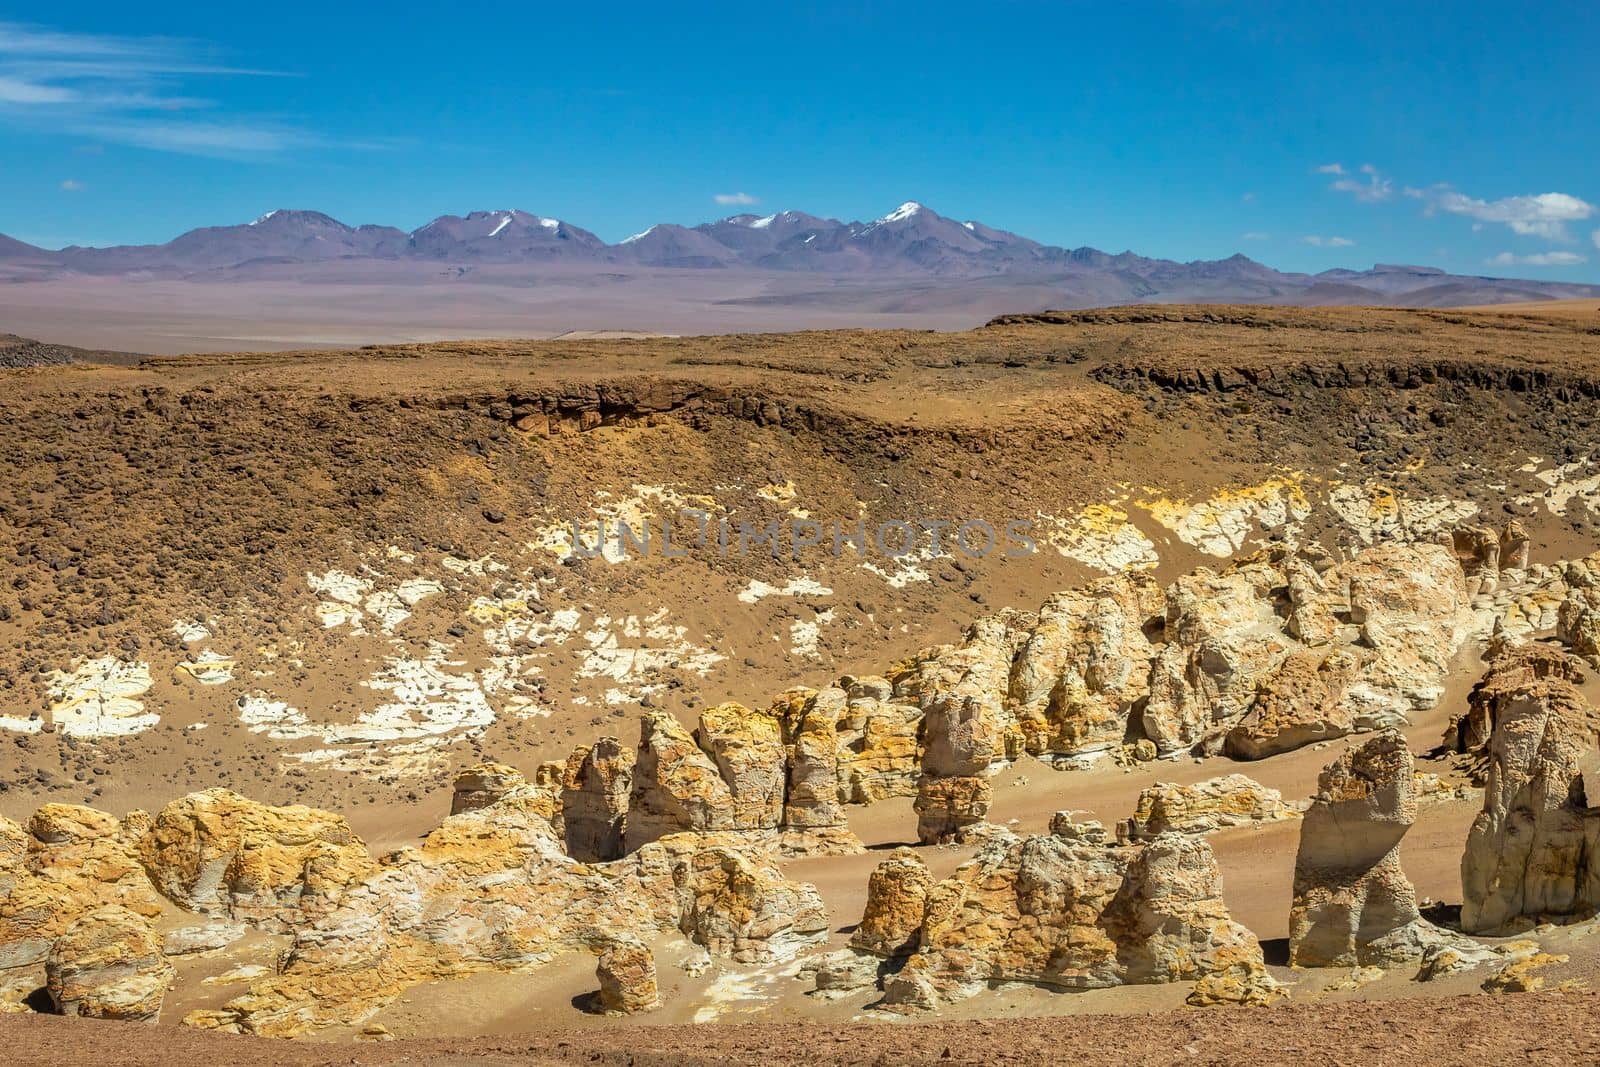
(911, 245)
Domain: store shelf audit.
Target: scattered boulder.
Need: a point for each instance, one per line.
(108, 964)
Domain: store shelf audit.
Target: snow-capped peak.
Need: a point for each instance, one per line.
(904, 211)
(970, 225)
(264, 218)
(550, 224)
(505, 220)
(637, 236)
(762, 223)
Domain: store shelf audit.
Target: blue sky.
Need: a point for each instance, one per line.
(1307, 136)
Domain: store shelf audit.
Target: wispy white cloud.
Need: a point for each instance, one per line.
(1596, 238)
(129, 90)
(1331, 168)
(1543, 215)
(71, 185)
(736, 199)
(1370, 188)
(1255, 235)
(1537, 259)
(1248, 198)
(1329, 242)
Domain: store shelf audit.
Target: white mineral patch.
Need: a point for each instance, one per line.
(1220, 524)
(1378, 513)
(208, 668)
(805, 635)
(339, 586)
(645, 511)
(99, 699)
(476, 568)
(432, 704)
(1567, 485)
(609, 658)
(190, 631)
(21, 724)
(801, 586)
(1099, 536)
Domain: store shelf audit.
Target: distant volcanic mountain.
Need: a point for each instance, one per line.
(911, 245)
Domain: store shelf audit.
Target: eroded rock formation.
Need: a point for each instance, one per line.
(218, 853)
(1072, 910)
(1533, 853)
(594, 799)
(897, 904)
(627, 973)
(1353, 904)
(1232, 800)
(108, 964)
(69, 861)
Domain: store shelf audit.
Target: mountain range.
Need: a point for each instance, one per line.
(912, 245)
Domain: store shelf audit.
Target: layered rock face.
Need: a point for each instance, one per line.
(676, 787)
(877, 742)
(1085, 665)
(1232, 800)
(1222, 635)
(1353, 905)
(109, 964)
(1300, 702)
(1533, 853)
(748, 751)
(1070, 910)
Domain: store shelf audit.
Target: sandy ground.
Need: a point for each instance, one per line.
(1544, 1028)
